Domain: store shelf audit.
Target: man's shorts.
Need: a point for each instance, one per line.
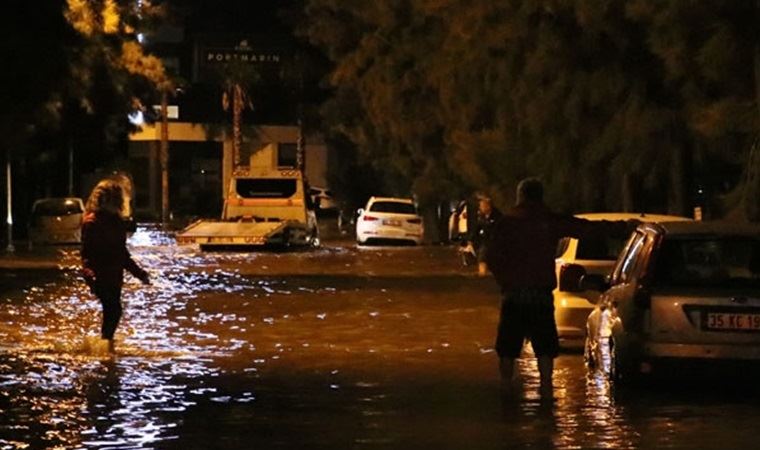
(527, 314)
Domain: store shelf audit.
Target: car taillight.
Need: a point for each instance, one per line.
(369, 218)
(570, 277)
(414, 220)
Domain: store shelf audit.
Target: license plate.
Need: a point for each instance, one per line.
(392, 223)
(732, 322)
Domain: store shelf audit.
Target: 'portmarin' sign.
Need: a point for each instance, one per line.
(226, 55)
(242, 52)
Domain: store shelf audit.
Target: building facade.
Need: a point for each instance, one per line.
(201, 162)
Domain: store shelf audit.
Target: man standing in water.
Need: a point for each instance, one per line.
(479, 233)
(105, 254)
(521, 256)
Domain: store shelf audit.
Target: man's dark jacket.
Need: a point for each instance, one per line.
(523, 244)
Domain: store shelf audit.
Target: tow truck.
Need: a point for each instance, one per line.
(264, 206)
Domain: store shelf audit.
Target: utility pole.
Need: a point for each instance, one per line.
(164, 159)
(71, 169)
(300, 149)
(238, 98)
(300, 145)
(751, 191)
(9, 218)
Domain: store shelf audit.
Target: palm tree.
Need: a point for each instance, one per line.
(237, 80)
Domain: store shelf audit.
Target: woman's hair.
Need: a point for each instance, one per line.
(108, 195)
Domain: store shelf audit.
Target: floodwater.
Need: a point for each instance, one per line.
(332, 348)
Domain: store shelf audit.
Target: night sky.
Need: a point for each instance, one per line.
(239, 16)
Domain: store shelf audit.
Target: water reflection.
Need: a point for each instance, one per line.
(337, 347)
(583, 413)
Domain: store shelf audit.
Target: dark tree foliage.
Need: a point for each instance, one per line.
(710, 52)
(35, 36)
(616, 105)
(73, 71)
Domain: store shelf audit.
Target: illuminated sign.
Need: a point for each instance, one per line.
(227, 55)
(212, 55)
(241, 52)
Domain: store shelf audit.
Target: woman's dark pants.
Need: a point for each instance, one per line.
(110, 298)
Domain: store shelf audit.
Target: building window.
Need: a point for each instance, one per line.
(287, 155)
(266, 187)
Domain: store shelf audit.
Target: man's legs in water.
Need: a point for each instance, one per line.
(506, 369)
(545, 370)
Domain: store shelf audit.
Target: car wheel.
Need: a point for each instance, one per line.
(286, 238)
(314, 240)
(619, 370)
(614, 369)
(589, 356)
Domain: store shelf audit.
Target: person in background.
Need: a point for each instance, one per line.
(478, 236)
(520, 254)
(104, 253)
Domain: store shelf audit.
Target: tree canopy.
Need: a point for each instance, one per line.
(74, 70)
(611, 103)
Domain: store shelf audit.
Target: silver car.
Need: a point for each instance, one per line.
(56, 220)
(589, 255)
(680, 292)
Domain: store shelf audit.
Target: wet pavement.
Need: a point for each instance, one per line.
(337, 347)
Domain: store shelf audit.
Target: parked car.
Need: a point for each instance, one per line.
(56, 221)
(389, 219)
(587, 256)
(680, 292)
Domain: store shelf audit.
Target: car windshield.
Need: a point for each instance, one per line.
(718, 262)
(393, 207)
(599, 248)
(266, 187)
(57, 207)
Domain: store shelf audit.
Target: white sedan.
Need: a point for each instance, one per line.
(389, 219)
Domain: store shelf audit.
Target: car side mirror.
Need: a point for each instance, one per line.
(360, 211)
(594, 282)
(570, 276)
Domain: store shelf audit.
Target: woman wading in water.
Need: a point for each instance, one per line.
(105, 254)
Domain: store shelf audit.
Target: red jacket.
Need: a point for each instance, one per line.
(104, 250)
(524, 242)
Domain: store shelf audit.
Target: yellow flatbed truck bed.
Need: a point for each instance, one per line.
(219, 233)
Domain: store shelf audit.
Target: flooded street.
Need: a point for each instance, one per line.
(338, 347)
